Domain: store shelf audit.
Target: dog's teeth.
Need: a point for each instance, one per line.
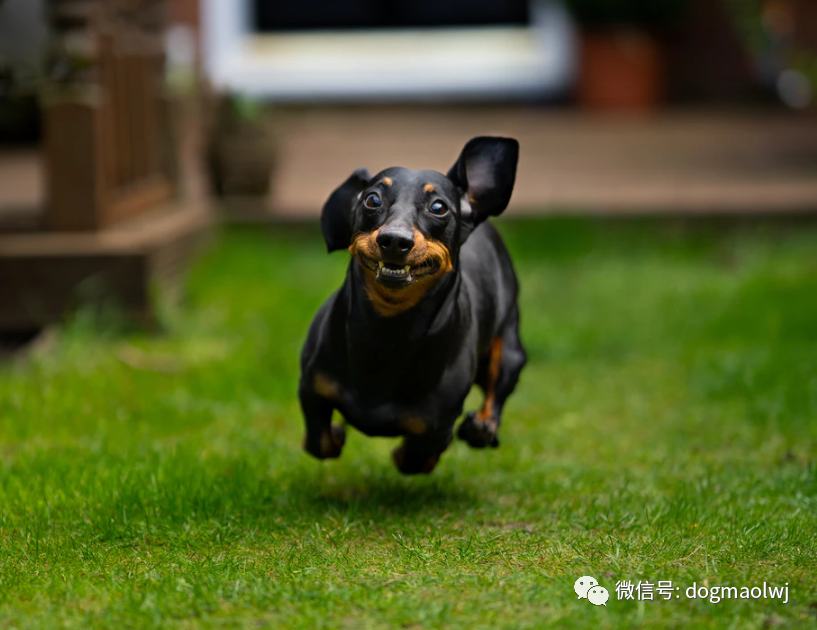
(404, 273)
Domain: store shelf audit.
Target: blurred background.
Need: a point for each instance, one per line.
(662, 229)
(127, 127)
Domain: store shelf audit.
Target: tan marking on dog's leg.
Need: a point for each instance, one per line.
(332, 441)
(487, 412)
(415, 425)
(326, 444)
(325, 387)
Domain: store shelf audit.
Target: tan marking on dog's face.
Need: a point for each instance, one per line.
(325, 387)
(389, 302)
(429, 188)
(415, 425)
(387, 181)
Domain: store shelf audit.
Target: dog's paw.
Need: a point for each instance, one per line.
(409, 465)
(478, 432)
(329, 445)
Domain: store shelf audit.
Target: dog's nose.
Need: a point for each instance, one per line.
(395, 242)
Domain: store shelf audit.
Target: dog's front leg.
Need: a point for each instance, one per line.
(322, 440)
(420, 454)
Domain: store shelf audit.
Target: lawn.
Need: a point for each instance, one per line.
(665, 429)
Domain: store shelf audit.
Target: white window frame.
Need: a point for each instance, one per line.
(418, 64)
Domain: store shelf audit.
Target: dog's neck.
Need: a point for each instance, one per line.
(427, 319)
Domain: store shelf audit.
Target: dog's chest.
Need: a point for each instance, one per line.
(399, 381)
(400, 404)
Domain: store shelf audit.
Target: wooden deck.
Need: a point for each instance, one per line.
(109, 210)
(679, 163)
(43, 274)
(676, 163)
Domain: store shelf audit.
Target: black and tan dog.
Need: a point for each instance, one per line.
(428, 309)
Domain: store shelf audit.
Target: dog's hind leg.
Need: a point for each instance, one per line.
(323, 439)
(497, 376)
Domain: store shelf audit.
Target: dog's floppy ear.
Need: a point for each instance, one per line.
(486, 172)
(336, 216)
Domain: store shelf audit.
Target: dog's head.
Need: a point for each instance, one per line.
(405, 227)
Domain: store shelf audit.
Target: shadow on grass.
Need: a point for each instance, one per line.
(378, 494)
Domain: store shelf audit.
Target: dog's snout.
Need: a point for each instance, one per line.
(395, 242)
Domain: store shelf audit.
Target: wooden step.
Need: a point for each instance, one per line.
(43, 276)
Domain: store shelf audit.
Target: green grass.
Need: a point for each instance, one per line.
(664, 429)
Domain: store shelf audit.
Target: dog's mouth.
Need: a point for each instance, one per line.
(397, 276)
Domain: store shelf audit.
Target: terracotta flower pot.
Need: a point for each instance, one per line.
(621, 70)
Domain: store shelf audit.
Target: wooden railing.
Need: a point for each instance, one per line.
(108, 140)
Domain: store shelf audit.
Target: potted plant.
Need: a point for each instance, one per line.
(622, 61)
(241, 151)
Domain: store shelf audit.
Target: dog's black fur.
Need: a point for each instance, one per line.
(397, 356)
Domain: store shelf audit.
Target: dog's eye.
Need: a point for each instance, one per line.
(438, 208)
(372, 201)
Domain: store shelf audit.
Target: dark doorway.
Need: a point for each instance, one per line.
(311, 15)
